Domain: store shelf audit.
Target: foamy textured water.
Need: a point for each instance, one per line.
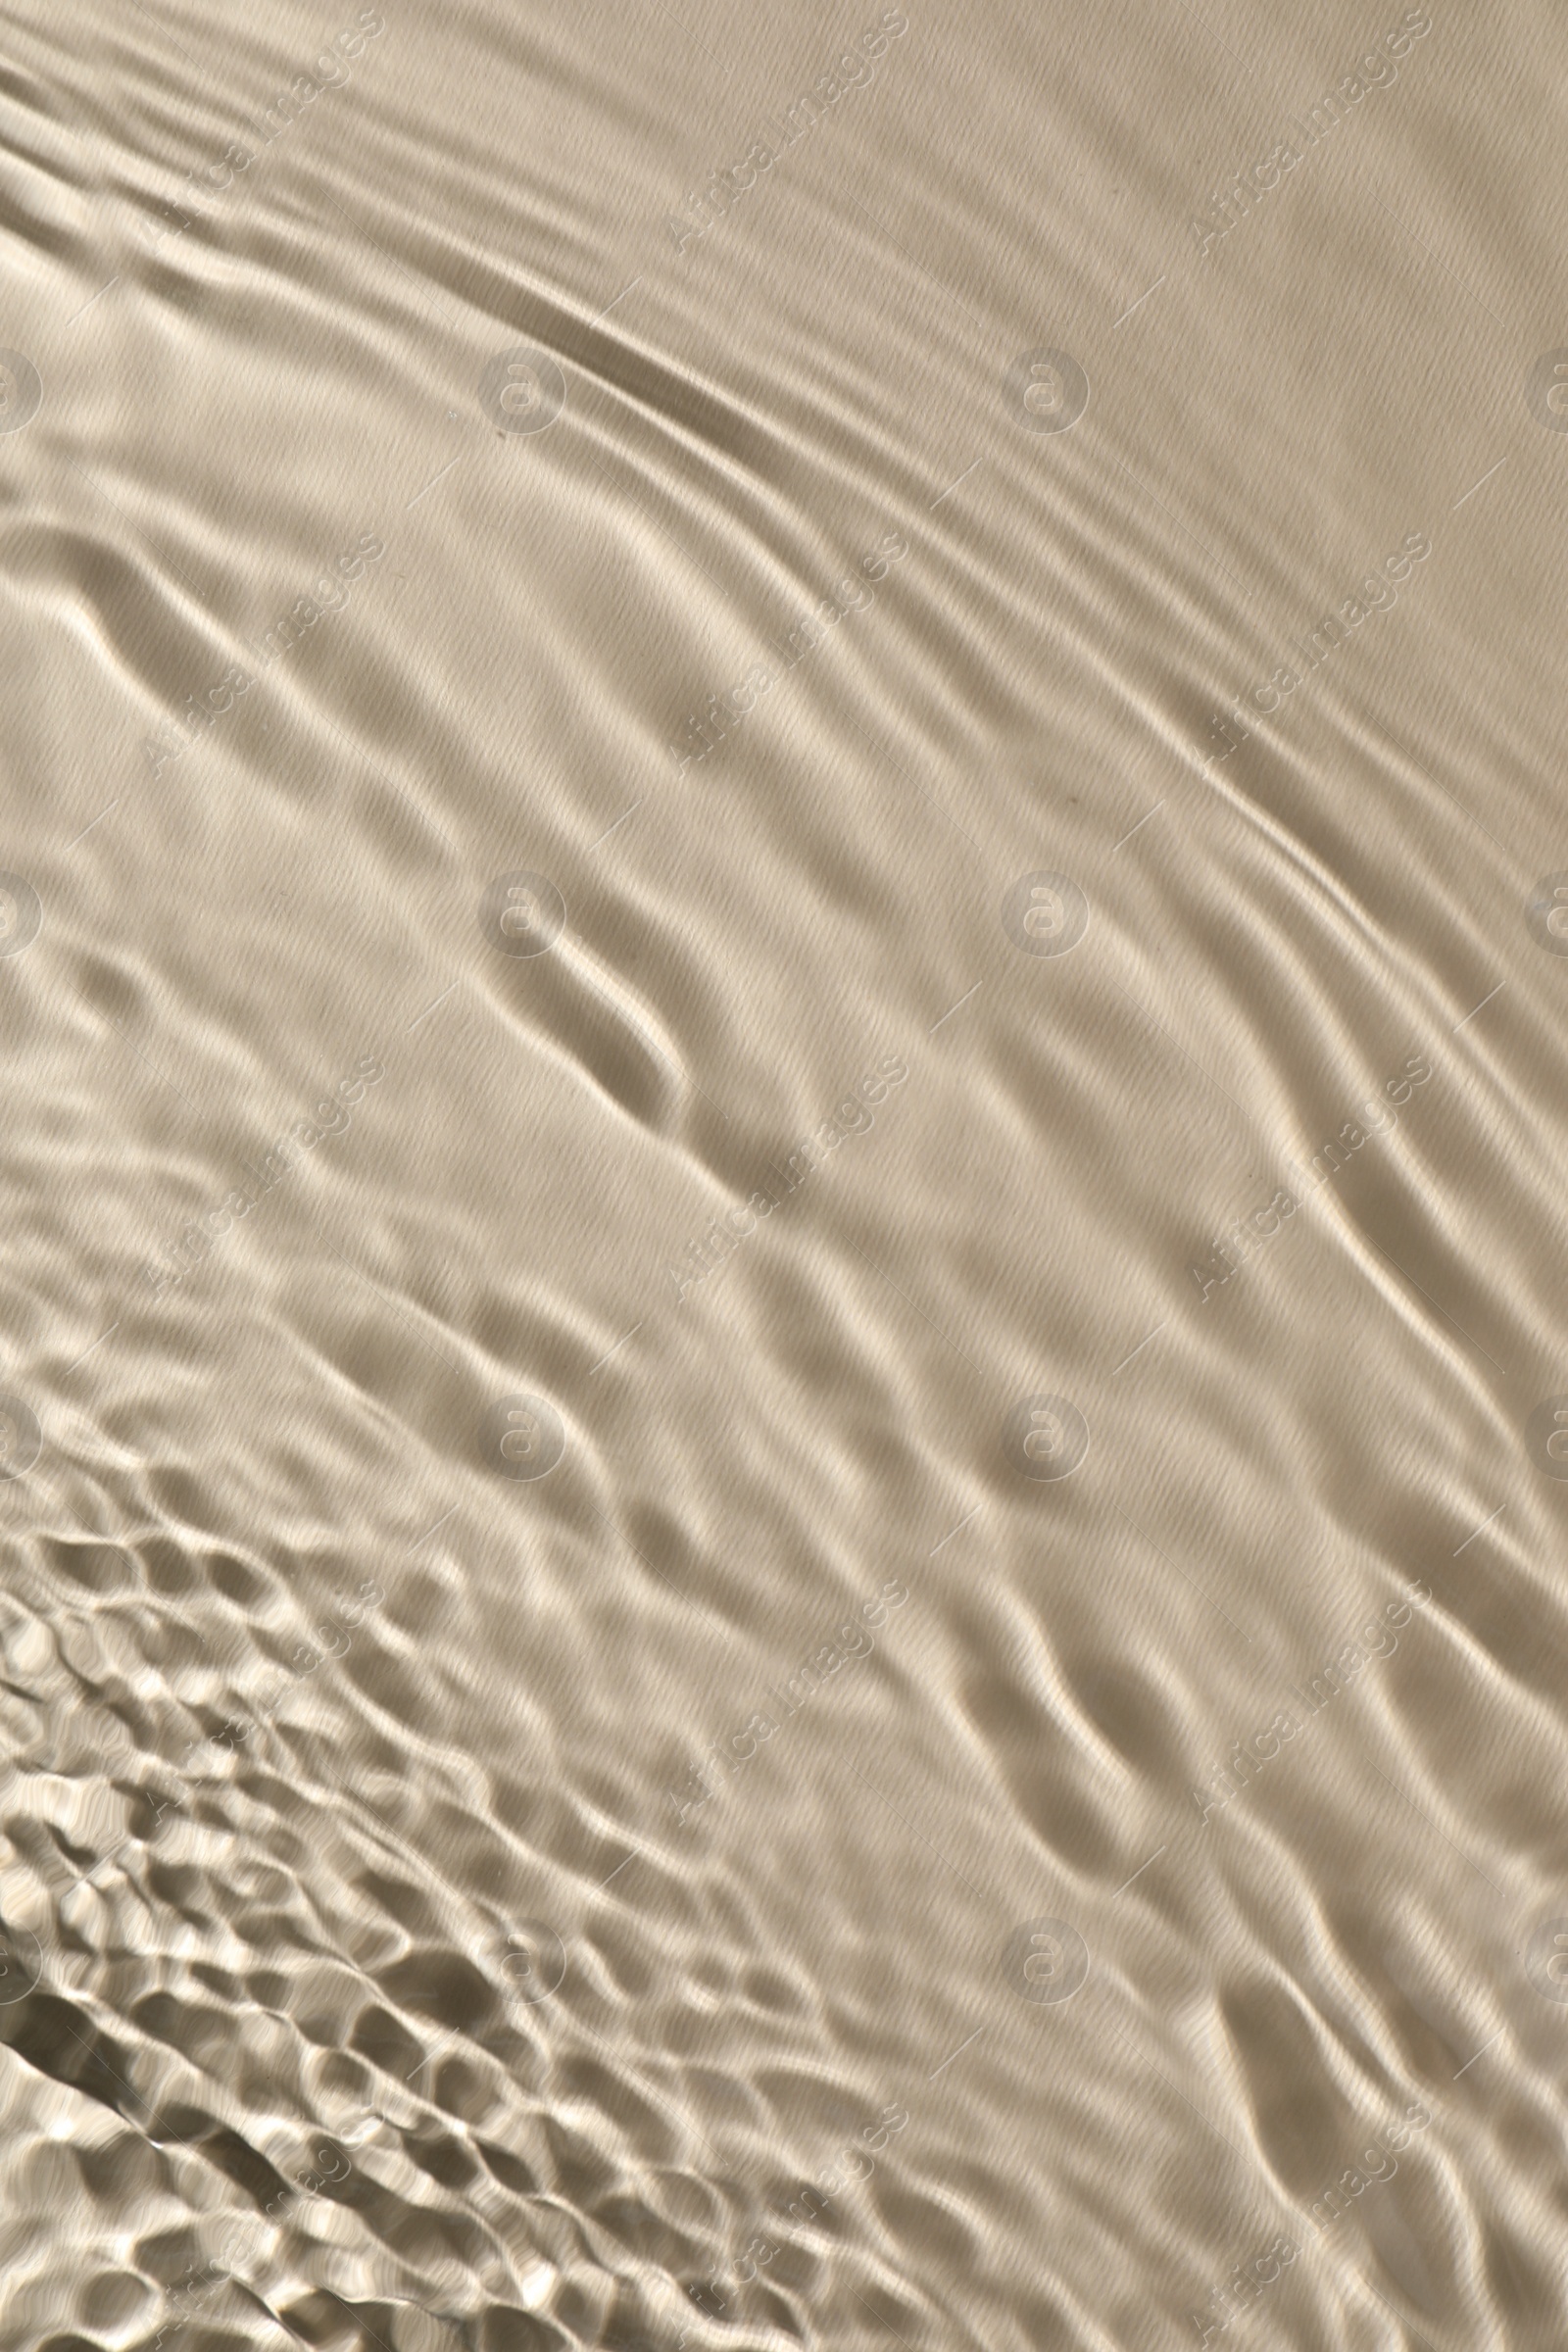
(784, 909)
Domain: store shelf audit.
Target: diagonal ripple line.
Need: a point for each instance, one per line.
(1475, 486)
(1142, 822)
(1475, 1009)
(951, 2054)
(1481, 2053)
(1138, 1872)
(1137, 305)
(952, 1008)
(1478, 1531)
(1142, 1345)
(952, 1530)
(953, 485)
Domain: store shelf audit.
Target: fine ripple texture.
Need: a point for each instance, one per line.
(783, 928)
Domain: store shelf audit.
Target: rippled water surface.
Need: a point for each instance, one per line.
(783, 1406)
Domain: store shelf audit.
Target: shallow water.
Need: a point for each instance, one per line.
(783, 1403)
